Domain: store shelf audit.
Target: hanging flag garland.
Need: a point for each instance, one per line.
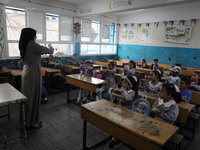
(147, 24)
(139, 24)
(193, 21)
(125, 25)
(164, 23)
(113, 24)
(132, 24)
(156, 24)
(182, 22)
(171, 22)
(118, 24)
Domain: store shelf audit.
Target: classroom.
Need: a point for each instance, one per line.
(99, 74)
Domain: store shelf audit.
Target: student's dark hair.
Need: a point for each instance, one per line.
(74, 55)
(134, 65)
(157, 74)
(134, 83)
(170, 88)
(155, 60)
(81, 58)
(198, 73)
(112, 63)
(186, 80)
(178, 65)
(144, 60)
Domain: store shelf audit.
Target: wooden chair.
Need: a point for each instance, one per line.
(193, 69)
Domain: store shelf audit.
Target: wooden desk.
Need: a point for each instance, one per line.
(184, 108)
(104, 64)
(15, 78)
(145, 70)
(136, 130)
(70, 68)
(186, 73)
(9, 95)
(4, 74)
(88, 83)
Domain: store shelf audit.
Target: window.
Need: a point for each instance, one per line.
(98, 38)
(58, 30)
(52, 27)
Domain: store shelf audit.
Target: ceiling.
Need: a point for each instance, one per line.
(75, 2)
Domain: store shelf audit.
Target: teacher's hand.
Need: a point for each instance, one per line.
(49, 45)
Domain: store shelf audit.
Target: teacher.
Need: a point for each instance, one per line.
(31, 85)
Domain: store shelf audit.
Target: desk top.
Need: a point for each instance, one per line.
(146, 69)
(50, 70)
(145, 127)
(16, 72)
(5, 70)
(90, 80)
(71, 66)
(9, 95)
(183, 105)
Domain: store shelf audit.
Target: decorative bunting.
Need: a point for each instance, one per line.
(139, 24)
(164, 23)
(147, 24)
(113, 24)
(171, 22)
(193, 21)
(125, 25)
(132, 24)
(118, 24)
(156, 24)
(182, 22)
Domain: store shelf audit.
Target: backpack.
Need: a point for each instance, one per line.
(100, 76)
(141, 106)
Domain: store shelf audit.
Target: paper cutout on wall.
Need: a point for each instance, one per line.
(128, 35)
(105, 31)
(119, 3)
(178, 34)
(86, 28)
(146, 35)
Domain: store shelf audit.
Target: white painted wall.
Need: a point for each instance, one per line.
(157, 15)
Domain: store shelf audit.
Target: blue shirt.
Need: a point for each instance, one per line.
(187, 94)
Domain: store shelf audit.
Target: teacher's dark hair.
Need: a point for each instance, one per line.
(27, 35)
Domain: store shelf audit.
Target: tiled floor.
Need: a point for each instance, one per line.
(62, 129)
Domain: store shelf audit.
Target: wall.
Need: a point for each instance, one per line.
(167, 53)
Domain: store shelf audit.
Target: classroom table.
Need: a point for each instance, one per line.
(70, 68)
(184, 108)
(9, 95)
(137, 130)
(15, 76)
(49, 75)
(4, 74)
(88, 83)
(145, 70)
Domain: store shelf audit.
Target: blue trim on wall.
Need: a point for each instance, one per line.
(187, 57)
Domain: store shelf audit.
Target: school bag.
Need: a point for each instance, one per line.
(141, 106)
(100, 76)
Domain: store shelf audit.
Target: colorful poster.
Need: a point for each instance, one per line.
(106, 31)
(86, 28)
(178, 34)
(128, 35)
(86, 10)
(2, 33)
(120, 3)
(146, 35)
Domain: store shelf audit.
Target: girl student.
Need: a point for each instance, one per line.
(130, 71)
(153, 86)
(165, 108)
(128, 91)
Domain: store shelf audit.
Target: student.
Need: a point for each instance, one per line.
(185, 93)
(50, 63)
(130, 71)
(20, 64)
(73, 61)
(88, 71)
(196, 80)
(155, 65)
(143, 63)
(173, 77)
(58, 63)
(128, 92)
(178, 66)
(81, 63)
(153, 86)
(110, 77)
(165, 108)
